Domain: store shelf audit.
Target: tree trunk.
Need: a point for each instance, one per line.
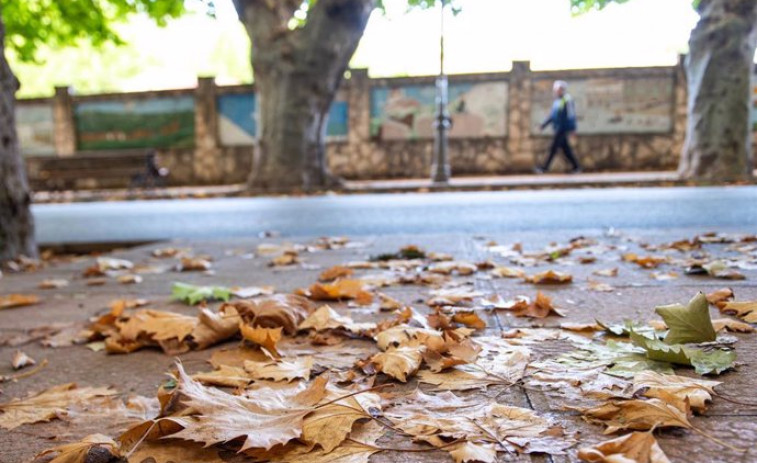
(719, 67)
(297, 74)
(16, 224)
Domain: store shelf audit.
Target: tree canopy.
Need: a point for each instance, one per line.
(31, 24)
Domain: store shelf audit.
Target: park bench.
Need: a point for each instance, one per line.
(97, 169)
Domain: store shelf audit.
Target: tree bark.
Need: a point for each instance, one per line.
(719, 67)
(16, 224)
(297, 74)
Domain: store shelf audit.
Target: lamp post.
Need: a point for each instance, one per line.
(440, 169)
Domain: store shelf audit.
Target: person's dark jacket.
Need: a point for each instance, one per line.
(562, 117)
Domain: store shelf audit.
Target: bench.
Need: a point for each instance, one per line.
(97, 169)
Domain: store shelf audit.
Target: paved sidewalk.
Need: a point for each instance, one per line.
(504, 182)
(634, 294)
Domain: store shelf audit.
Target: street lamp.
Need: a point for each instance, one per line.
(440, 170)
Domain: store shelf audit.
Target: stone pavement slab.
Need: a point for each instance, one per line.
(238, 263)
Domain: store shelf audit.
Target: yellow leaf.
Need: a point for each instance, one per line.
(637, 447)
(696, 391)
(469, 319)
(639, 415)
(338, 271)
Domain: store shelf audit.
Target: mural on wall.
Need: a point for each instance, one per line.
(161, 122)
(640, 105)
(238, 119)
(478, 109)
(36, 129)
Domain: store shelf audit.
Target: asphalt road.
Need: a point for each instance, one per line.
(716, 208)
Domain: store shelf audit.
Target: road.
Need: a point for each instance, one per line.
(477, 212)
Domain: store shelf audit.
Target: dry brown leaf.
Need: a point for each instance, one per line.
(608, 272)
(129, 279)
(163, 253)
(340, 290)
(329, 425)
(450, 267)
(697, 391)
(638, 415)
(252, 291)
(473, 452)
(358, 449)
(326, 318)
(581, 327)
(389, 303)
(541, 307)
(550, 277)
(500, 363)
(636, 447)
(17, 300)
(286, 259)
(507, 272)
(274, 416)
(235, 357)
(47, 405)
(280, 369)
(404, 335)
(280, 310)
(663, 276)
(225, 376)
(264, 337)
(746, 310)
(599, 286)
(400, 362)
(452, 296)
(469, 319)
(21, 360)
(335, 272)
(193, 264)
(95, 447)
(721, 297)
(646, 261)
(734, 326)
(53, 284)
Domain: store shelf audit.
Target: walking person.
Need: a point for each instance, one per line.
(563, 121)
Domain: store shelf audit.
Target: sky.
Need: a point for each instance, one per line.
(485, 37)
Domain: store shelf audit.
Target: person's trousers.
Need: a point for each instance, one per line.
(561, 142)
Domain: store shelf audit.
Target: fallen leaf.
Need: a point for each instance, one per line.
(333, 273)
(609, 272)
(110, 263)
(689, 324)
(53, 284)
(163, 253)
(636, 447)
(358, 449)
(326, 318)
(746, 310)
(21, 360)
(225, 376)
(469, 319)
(704, 362)
(399, 362)
(279, 310)
(599, 286)
(389, 303)
(95, 447)
(192, 294)
(264, 337)
(47, 405)
(409, 336)
(280, 369)
(450, 267)
(644, 262)
(720, 324)
(17, 300)
(340, 290)
(634, 414)
(541, 307)
(129, 279)
(274, 417)
(193, 264)
(550, 277)
(173, 451)
(720, 297)
(580, 327)
(696, 391)
(452, 296)
(507, 272)
(252, 291)
(663, 276)
(473, 452)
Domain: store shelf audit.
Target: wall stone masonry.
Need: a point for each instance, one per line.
(628, 119)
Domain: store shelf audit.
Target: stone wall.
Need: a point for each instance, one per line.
(629, 119)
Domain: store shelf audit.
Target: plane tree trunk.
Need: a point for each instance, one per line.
(297, 73)
(16, 224)
(719, 67)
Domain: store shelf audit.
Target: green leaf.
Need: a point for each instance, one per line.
(192, 294)
(688, 324)
(704, 362)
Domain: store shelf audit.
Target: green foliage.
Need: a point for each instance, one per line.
(691, 323)
(30, 24)
(714, 361)
(192, 294)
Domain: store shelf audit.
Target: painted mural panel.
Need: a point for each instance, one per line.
(641, 105)
(161, 122)
(238, 119)
(36, 129)
(478, 109)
